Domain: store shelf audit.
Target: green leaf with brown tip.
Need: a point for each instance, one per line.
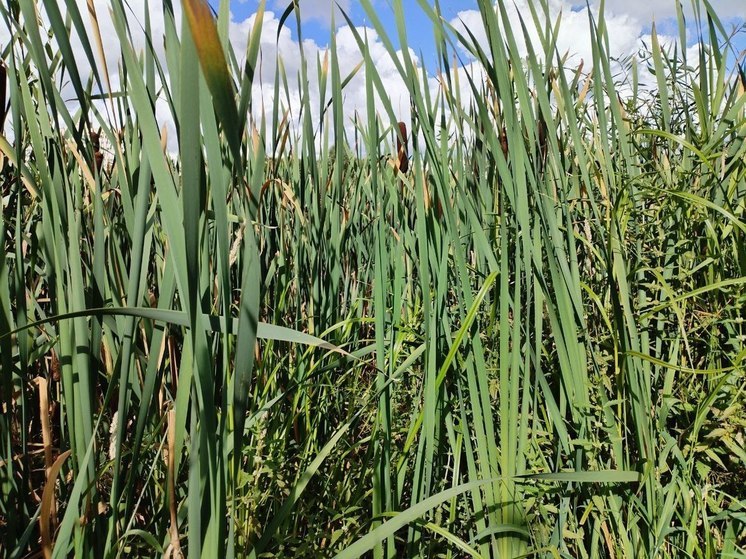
(215, 68)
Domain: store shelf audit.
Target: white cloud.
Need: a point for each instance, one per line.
(627, 29)
(574, 35)
(282, 46)
(647, 10)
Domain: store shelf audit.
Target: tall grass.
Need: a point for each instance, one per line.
(530, 342)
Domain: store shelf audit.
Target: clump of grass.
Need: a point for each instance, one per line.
(527, 340)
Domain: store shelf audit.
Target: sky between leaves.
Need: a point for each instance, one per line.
(628, 21)
(630, 18)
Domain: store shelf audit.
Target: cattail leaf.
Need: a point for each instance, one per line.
(215, 68)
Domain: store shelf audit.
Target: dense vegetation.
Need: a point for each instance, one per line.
(534, 335)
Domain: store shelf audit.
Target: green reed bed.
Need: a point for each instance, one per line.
(275, 342)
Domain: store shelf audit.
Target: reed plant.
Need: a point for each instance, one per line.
(517, 332)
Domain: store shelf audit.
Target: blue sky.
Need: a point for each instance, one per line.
(419, 26)
(642, 12)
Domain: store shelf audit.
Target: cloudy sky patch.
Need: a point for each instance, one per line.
(628, 22)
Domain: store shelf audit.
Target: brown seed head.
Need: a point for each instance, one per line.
(504, 142)
(96, 141)
(401, 149)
